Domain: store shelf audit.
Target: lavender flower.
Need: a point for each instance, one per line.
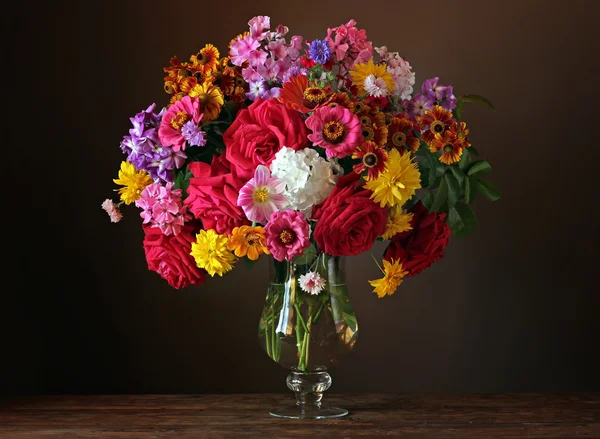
(258, 89)
(294, 70)
(418, 104)
(144, 150)
(193, 134)
(319, 51)
(449, 98)
(432, 89)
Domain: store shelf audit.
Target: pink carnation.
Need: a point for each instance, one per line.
(287, 234)
(113, 210)
(185, 110)
(336, 129)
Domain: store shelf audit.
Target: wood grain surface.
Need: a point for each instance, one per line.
(371, 415)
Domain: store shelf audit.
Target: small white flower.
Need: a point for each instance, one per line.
(375, 87)
(312, 283)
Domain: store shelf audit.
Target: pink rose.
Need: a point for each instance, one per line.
(258, 132)
(213, 193)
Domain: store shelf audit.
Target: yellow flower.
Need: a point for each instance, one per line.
(211, 99)
(133, 182)
(397, 221)
(398, 183)
(393, 275)
(371, 71)
(211, 253)
(250, 241)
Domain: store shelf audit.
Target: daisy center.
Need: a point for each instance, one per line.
(314, 96)
(183, 73)
(399, 139)
(365, 120)
(333, 131)
(204, 98)
(261, 195)
(169, 88)
(179, 120)
(448, 147)
(239, 81)
(437, 126)
(287, 236)
(200, 58)
(370, 159)
(252, 239)
(368, 133)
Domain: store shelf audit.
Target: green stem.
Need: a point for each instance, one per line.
(318, 313)
(377, 263)
(299, 317)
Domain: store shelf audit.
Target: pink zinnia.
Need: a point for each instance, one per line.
(262, 195)
(162, 207)
(113, 210)
(185, 110)
(336, 129)
(287, 234)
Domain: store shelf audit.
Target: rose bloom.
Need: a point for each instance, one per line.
(213, 193)
(348, 221)
(259, 131)
(424, 244)
(170, 256)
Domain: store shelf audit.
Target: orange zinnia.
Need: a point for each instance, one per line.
(248, 241)
(434, 122)
(297, 94)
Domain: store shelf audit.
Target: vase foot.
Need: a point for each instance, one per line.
(308, 412)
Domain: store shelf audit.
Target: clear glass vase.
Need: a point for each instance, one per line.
(308, 333)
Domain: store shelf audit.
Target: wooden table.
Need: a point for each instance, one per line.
(200, 416)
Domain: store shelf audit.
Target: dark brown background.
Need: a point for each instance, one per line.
(514, 307)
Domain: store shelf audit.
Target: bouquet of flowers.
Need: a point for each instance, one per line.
(295, 148)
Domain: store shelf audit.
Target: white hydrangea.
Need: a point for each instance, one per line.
(309, 178)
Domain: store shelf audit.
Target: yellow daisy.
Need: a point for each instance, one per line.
(211, 253)
(206, 60)
(398, 183)
(211, 99)
(398, 221)
(372, 78)
(393, 275)
(133, 182)
(248, 241)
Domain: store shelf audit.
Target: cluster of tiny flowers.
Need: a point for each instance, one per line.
(432, 93)
(271, 60)
(309, 178)
(144, 149)
(404, 77)
(162, 207)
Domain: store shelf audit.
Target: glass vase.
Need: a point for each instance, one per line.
(308, 333)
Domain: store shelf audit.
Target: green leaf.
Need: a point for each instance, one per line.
(465, 159)
(461, 220)
(307, 257)
(432, 167)
(350, 320)
(427, 200)
(453, 189)
(488, 190)
(476, 99)
(470, 190)
(479, 169)
(458, 111)
(458, 174)
(473, 151)
(440, 196)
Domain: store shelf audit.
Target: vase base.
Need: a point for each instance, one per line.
(308, 412)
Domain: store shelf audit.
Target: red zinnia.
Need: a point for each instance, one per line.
(372, 158)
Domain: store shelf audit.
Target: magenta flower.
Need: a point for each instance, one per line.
(336, 129)
(185, 110)
(262, 195)
(287, 234)
(162, 208)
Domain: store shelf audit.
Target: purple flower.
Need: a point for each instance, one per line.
(432, 89)
(418, 104)
(449, 98)
(294, 70)
(257, 89)
(193, 134)
(319, 51)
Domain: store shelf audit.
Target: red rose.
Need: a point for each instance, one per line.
(424, 244)
(213, 193)
(170, 256)
(348, 222)
(259, 131)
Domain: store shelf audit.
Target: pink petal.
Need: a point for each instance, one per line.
(261, 175)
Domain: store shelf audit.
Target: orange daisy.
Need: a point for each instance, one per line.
(297, 94)
(248, 241)
(373, 158)
(401, 135)
(341, 99)
(206, 60)
(450, 143)
(373, 124)
(434, 122)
